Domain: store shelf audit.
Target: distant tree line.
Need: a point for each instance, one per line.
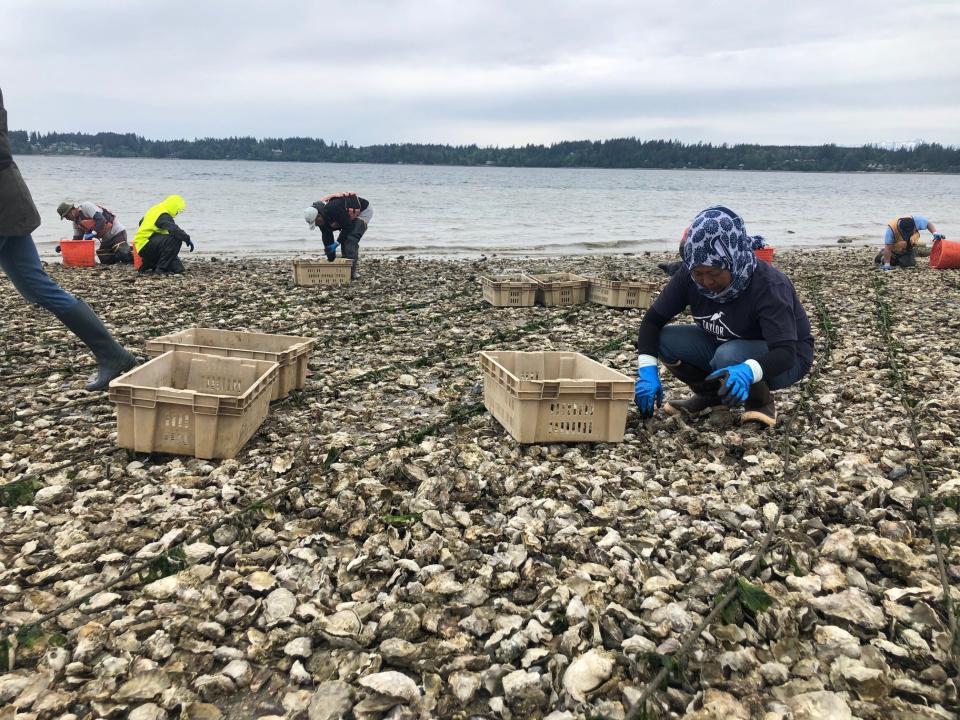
(616, 153)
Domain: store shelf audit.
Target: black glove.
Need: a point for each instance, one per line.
(189, 243)
(57, 248)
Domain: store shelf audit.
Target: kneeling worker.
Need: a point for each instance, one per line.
(159, 238)
(95, 221)
(348, 213)
(900, 241)
(751, 334)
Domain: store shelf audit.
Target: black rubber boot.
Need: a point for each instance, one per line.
(350, 245)
(112, 359)
(704, 396)
(670, 268)
(760, 405)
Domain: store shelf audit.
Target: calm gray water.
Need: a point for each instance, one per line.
(257, 207)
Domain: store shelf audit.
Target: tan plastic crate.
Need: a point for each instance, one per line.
(621, 294)
(321, 272)
(191, 404)
(561, 289)
(543, 397)
(514, 290)
(290, 351)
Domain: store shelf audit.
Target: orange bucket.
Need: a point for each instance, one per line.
(945, 255)
(765, 254)
(78, 253)
(137, 260)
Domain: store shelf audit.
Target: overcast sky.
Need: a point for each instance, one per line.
(501, 72)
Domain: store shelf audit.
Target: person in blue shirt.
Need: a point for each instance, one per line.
(750, 333)
(900, 241)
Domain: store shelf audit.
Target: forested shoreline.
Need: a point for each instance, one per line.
(614, 153)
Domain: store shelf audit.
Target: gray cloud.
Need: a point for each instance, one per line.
(492, 72)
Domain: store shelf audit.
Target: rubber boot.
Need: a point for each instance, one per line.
(350, 246)
(670, 268)
(760, 405)
(704, 396)
(112, 359)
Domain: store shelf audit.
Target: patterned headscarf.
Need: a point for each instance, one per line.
(718, 238)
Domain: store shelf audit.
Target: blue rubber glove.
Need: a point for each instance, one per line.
(89, 236)
(736, 384)
(939, 236)
(57, 248)
(331, 251)
(886, 266)
(189, 244)
(647, 392)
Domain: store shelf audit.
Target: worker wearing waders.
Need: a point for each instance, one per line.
(95, 221)
(21, 263)
(900, 241)
(348, 213)
(750, 334)
(159, 238)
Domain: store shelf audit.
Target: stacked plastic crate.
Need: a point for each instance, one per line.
(206, 391)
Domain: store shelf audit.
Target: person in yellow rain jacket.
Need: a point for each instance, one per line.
(159, 238)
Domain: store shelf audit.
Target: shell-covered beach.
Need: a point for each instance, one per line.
(382, 548)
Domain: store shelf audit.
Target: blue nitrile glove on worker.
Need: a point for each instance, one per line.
(331, 251)
(736, 384)
(89, 236)
(189, 244)
(647, 392)
(886, 266)
(939, 236)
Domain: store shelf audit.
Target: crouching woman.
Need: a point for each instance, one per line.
(750, 334)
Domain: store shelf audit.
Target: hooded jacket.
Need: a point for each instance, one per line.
(18, 214)
(154, 222)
